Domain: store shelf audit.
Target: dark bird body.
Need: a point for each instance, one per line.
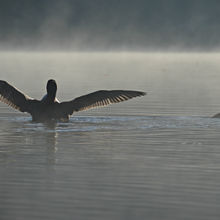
(216, 116)
(49, 108)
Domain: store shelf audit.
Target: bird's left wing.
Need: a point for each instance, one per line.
(98, 99)
(13, 97)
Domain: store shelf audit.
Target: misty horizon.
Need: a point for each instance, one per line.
(153, 157)
(117, 25)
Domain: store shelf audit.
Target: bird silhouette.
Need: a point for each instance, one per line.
(50, 109)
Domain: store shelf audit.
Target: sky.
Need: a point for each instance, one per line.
(143, 25)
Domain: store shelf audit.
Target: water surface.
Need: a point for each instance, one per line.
(155, 157)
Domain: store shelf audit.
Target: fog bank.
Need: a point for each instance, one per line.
(110, 25)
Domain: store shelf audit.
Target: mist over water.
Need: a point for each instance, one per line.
(154, 157)
(182, 83)
(142, 25)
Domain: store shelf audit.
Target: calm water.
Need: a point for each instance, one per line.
(156, 157)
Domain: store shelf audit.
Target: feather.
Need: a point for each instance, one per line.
(98, 99)
(13, 97)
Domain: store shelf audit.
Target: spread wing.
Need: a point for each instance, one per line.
(13, 97)
(98, 99)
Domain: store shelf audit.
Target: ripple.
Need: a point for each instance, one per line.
(100, 123)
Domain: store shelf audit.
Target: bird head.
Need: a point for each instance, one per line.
(51, 87)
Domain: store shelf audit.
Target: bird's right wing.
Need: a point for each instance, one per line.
(13, 97)
(98, 99)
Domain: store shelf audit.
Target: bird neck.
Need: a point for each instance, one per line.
(51, 96)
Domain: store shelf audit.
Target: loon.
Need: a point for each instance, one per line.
(216, 115)
(50, 109)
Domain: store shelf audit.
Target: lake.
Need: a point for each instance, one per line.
(154, 157)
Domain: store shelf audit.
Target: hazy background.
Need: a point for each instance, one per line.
(110, 25)
(154, 157)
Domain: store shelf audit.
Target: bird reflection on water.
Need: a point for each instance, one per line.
(19, 134)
